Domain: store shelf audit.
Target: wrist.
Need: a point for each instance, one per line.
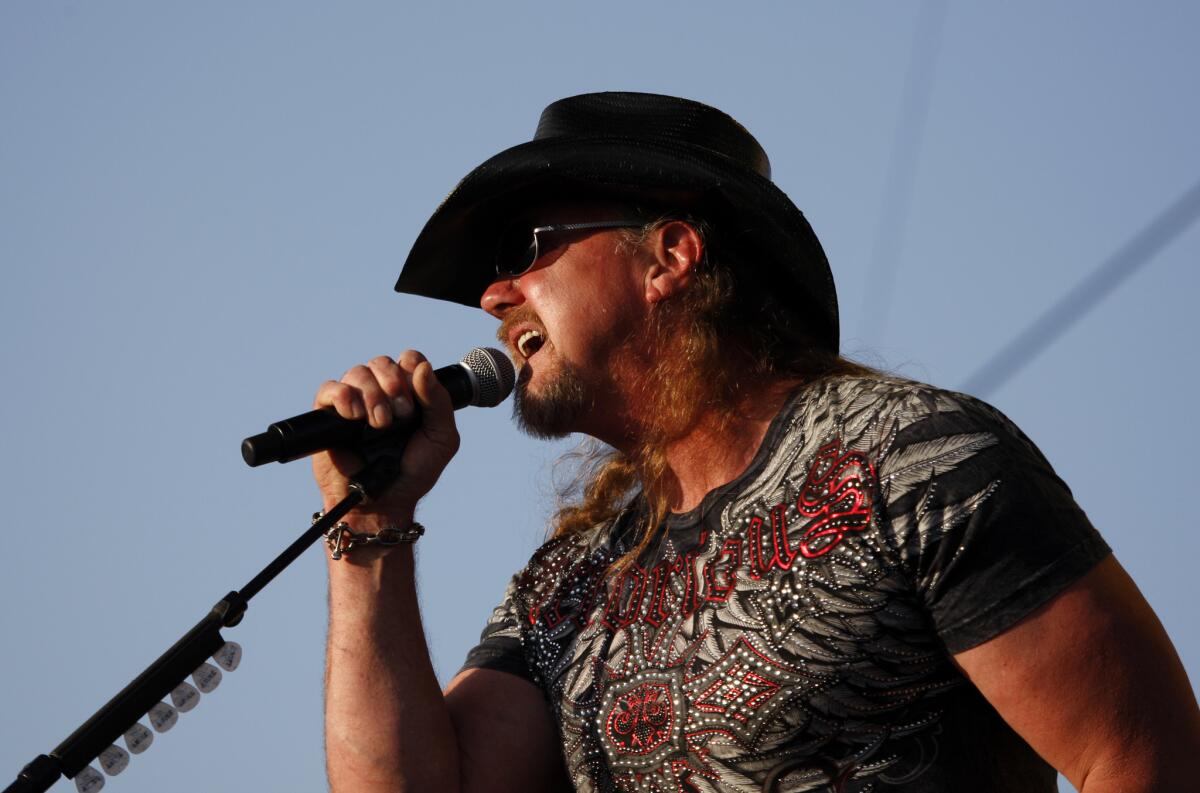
(342, 537)
(373, 517)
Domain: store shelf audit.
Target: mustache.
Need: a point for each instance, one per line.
(515, 317)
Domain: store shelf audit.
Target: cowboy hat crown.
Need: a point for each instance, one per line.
(672, 153)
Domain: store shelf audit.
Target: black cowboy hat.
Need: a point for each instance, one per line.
(678, 155)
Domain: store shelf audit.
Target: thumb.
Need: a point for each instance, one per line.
(437, 411)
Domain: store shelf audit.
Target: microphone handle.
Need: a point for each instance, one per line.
(316, 430)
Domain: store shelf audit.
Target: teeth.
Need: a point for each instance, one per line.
(525, 339)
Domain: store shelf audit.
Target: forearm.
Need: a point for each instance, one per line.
(1145, 780)
(1159, 758)
(386, 722)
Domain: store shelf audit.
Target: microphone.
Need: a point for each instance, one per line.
(484, 378)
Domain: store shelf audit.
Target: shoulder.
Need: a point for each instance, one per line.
(893, 434)
(907, 401)
(919, 445)
(889, 412)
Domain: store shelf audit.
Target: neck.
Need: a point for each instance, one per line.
(717, 447)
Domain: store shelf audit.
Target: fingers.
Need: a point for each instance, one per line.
(380, 391)
(368, 391)
(343, 398)
(388, 395)
(383, 389)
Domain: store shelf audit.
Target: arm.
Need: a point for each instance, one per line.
(388, 727)
(1093, 684)
(508, 741)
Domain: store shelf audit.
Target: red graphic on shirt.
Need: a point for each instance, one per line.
(781, 553)
(737, 693)
(835, 495)
(641, 720)
(834, 500)
(670, 587)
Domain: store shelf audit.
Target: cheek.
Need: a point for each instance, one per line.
(587, 309)
(566, 303)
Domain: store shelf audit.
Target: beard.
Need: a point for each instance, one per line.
(556, 410)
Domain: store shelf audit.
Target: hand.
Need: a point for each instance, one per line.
(378, 392)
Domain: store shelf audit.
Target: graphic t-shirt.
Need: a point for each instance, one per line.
(794, 632)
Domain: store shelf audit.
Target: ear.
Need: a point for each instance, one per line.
(675, 249)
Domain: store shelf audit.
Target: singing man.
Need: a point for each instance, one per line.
(784, 571)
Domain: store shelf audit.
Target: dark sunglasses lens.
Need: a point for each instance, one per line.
(516, 251)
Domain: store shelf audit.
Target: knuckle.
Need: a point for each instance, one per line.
(411, 358)
(331, 390)
(356, 374)
(388, 375)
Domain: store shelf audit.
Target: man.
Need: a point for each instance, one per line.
(789, 572)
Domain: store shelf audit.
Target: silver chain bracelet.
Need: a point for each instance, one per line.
(341, 538)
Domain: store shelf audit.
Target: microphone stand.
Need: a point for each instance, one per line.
(193, 648)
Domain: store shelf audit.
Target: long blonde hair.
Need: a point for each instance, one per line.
(708, 358)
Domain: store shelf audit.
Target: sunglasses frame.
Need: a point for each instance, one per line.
(506, 271)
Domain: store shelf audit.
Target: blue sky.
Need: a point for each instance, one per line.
(204, 207)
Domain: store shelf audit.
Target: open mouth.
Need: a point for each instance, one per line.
(530, 342)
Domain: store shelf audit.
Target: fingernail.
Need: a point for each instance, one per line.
(402, 406)
(382, 419)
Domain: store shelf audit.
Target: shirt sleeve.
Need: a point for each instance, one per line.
(500, 647)
(502, 642)
(986, 529)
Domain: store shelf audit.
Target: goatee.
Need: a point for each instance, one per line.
(555, 411)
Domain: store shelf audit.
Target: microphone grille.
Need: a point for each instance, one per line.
(494, 374)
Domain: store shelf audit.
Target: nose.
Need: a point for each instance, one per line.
(502, 295)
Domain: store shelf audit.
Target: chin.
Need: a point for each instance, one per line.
(551, 409)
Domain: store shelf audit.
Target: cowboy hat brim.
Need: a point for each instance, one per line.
(453, 258)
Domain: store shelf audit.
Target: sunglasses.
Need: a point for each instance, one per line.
(516, 253)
